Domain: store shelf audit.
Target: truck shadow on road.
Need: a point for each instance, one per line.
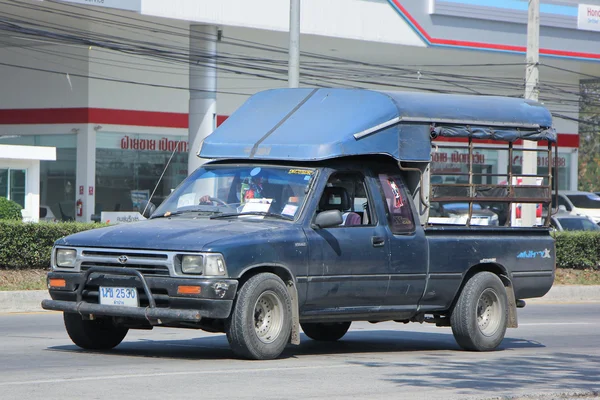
(556, 372)
(358, 342)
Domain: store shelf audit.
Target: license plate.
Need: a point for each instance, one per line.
(119, 296)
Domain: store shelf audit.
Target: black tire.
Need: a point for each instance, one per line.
(260, 324)
(480, 316)
(326, 332)
(99, 334)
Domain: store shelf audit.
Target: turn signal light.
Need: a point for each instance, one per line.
(57, 283)
(188, 289)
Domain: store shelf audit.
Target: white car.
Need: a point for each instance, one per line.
(580, 203)
(46, 214)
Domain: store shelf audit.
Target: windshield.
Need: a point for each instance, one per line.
(591, 200)
(261, 191)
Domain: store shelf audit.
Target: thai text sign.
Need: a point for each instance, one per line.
(588, 17)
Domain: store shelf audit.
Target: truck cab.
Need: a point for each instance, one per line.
(311, 215)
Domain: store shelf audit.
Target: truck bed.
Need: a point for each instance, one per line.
(525, 255)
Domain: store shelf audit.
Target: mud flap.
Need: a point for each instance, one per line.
(512, 306)
(295, 335)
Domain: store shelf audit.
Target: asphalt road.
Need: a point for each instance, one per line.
(555, 350)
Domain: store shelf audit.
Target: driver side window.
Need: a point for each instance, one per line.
(346, 192)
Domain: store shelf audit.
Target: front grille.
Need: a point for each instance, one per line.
(151, 263)
(154, 270)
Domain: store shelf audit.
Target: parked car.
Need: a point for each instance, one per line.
(565, 221)
(580, 203)
(457, 213)
(46, 214)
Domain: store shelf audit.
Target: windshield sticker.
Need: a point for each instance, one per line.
(186, 200)
(289, 209)
(257, 205)
(535, 254)
(300, 172)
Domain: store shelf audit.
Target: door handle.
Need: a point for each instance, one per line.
(377, 241)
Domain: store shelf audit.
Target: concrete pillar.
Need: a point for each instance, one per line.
(85, 185)
(203, 89)
(573, 170)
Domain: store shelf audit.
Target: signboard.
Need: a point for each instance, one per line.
(130, 5)
(588, 18)
(120, 217)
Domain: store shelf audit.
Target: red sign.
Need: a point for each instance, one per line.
(91, 190)
(164, 144)
(81, 189)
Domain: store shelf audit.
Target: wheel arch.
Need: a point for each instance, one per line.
(501, 272)
(288, 278)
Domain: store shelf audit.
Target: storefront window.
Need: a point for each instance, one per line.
(57, 178)
(12, 185)
(450, 165)
(563, 162)
(129, 166)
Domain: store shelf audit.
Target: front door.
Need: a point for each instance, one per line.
(348, 264)
(408, 246)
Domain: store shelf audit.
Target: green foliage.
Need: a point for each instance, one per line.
(29, 245)
(9, 210)
(578, 250)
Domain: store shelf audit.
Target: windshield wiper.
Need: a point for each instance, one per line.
(261, 213)
(193, 210)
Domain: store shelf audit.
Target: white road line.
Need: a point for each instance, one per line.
(559, 323)
(182, 373)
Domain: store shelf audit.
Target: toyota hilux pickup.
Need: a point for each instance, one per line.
(312, 212)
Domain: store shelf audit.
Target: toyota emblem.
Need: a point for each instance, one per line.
(122, 259)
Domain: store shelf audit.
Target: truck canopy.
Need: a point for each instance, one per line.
(315, 124)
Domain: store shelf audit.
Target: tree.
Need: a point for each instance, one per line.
(589, 134)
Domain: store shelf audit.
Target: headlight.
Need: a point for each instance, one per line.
(192, 264)
(206, 265)
(65, 258)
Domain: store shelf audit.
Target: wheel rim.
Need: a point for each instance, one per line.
(488, 312)
(268, 317)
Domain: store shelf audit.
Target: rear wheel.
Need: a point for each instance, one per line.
(261, 322)
(480, 316)
(99, 334)
(326, 332)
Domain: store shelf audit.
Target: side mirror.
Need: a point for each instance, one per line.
(562, 207)
(327, 219)
(147, 208)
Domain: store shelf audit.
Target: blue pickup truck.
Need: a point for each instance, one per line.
(312, 213)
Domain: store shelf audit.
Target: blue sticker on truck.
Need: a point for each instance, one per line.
(534, 254)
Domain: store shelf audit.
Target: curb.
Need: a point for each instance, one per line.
(22, 301)
(30, 300)
(569, 294)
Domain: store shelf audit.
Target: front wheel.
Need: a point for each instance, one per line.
(326, 332)
(99, 334)
(261, 321)
(480, 316)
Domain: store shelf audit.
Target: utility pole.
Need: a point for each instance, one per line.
(294, 50)
(532, 79)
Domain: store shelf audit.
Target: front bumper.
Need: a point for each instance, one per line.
(159, 300)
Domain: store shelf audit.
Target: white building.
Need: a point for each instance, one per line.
(108, 84)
